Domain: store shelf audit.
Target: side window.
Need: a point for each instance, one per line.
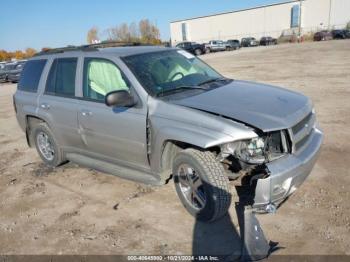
(102, 76)
(61, 79)
(30, 75)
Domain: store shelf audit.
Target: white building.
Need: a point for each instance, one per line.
(270, 20)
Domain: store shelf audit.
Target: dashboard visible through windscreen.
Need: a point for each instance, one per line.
(167, 70)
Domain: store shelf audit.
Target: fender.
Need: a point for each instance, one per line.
(170, 122)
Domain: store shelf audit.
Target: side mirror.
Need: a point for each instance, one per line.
(119, 98)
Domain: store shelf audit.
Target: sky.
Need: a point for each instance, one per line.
(49, 23)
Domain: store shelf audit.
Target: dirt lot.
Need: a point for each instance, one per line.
(73, 210)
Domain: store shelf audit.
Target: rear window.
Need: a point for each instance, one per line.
(61, 80)
(30, 75)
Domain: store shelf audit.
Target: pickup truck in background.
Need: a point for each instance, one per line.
(214, 46)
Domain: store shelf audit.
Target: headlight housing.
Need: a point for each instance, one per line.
(260, 149)
(252, 151)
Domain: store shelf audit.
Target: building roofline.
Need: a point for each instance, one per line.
(235, 11)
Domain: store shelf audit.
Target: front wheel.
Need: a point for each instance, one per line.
(201, 184)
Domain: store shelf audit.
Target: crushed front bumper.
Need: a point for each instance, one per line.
(287, 173)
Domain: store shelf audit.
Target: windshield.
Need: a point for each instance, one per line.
(170, 70)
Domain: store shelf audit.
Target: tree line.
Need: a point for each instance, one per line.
(18, 54)
(144, 32)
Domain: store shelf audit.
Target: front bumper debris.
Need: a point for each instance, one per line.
(287, 174)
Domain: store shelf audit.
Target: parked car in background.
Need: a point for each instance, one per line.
(323, 36)
(249, 41)
(268, 40)
(288, 36)
(232, 44)
(214, 46)
(2, 65)
(14, 74)
(347, 33)
(340, 34)
(192, 47)
(2, 69)
(6, 70)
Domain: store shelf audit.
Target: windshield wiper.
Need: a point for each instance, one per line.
(174, 90)
(211, 80)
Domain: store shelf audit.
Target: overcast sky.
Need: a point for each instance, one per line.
(45, 23)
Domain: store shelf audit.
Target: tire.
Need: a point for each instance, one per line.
(212, 197)
(207, 50)
(39, 132)
(197, 52)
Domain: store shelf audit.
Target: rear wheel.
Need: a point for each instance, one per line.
(198, 51)
(201, 184)
(46, 145)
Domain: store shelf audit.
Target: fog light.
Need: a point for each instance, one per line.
(271, 208)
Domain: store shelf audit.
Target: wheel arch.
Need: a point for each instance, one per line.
(31, 121)
(169, 141)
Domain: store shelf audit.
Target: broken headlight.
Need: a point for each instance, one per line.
(258, 150)
(251, 151)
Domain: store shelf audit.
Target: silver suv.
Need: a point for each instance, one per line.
(150, 114)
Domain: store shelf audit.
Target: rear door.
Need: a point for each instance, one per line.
(112, 134)
(58, 104)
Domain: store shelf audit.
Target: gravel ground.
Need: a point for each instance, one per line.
(74, 210)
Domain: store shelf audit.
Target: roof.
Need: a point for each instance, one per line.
(118, 49)
(235, 11)
(126, 51)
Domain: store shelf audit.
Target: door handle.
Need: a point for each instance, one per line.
(45, 106)
(86, 113)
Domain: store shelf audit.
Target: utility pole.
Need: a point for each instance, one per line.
(300, 12)
(329, 15)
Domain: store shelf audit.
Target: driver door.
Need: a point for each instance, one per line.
(113, 134)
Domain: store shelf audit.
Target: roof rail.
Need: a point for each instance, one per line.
(91, 47)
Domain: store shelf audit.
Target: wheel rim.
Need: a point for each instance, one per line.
(45, 146)
(191, 186)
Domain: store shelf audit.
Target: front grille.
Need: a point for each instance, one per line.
(301, 124)
(301, 131)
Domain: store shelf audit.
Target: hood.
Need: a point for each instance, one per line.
(265, 107)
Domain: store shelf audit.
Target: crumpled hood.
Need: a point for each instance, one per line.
(262, 106)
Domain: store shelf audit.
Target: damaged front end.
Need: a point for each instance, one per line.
(268, 168)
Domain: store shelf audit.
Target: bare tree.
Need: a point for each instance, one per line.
(144, 32)
(134, 32)
(149, 32)
(123, 34)
(92, 35)
(30, 52)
